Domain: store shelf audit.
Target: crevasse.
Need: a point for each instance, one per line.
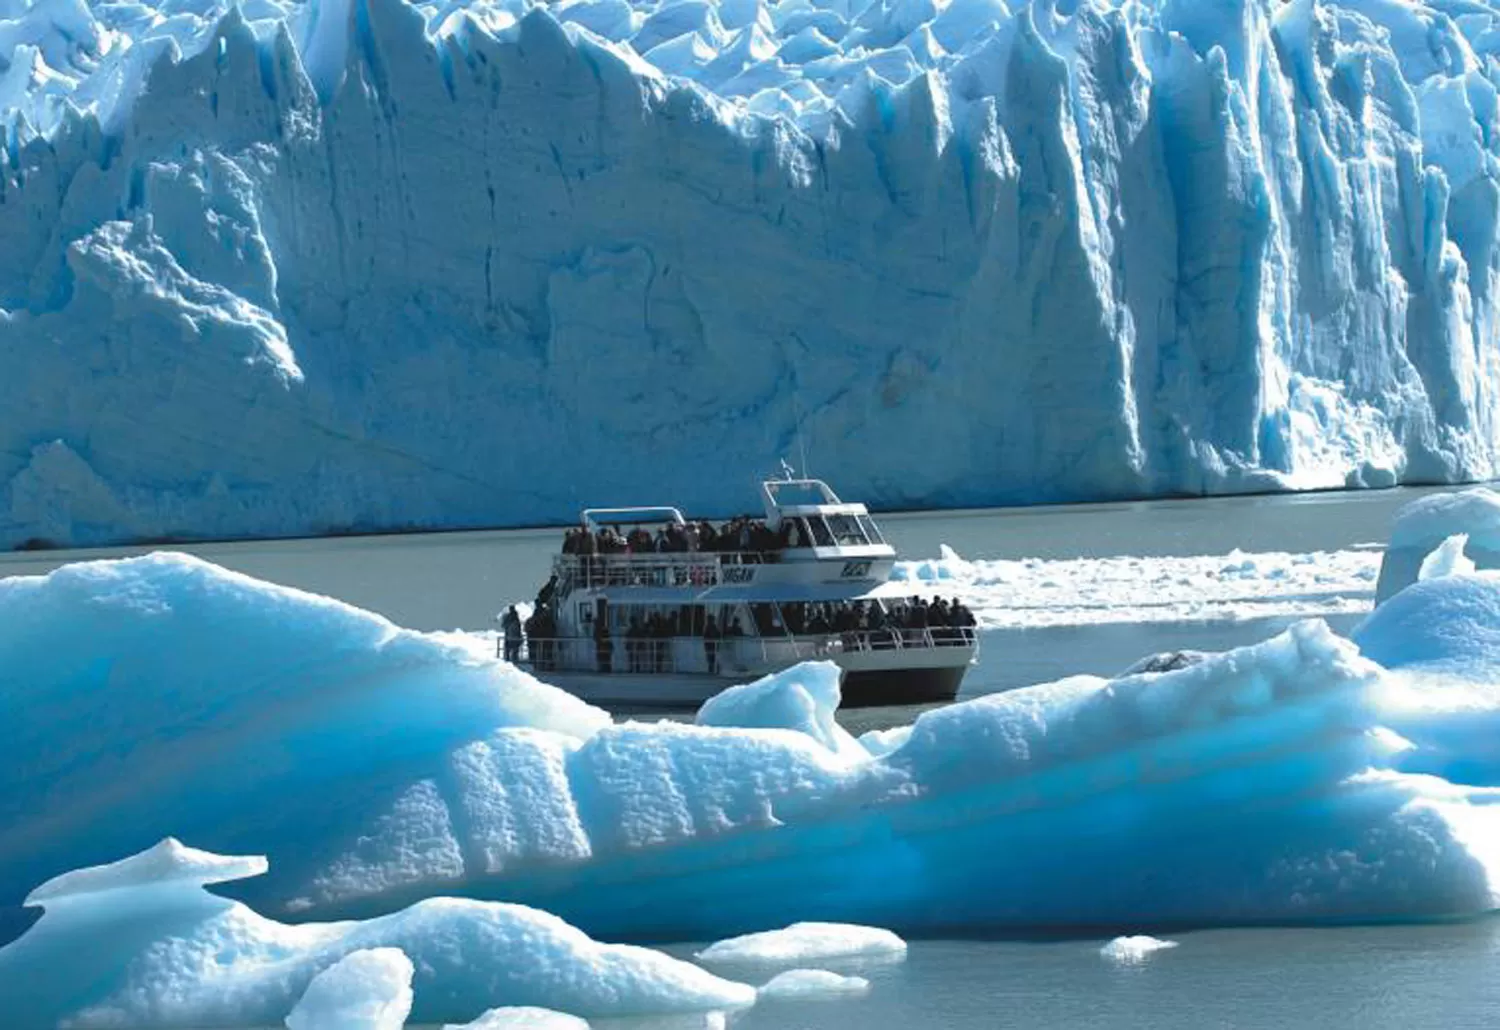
(289, 268)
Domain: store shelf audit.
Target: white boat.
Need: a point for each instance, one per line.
(672, 617)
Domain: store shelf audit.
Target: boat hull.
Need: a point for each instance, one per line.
(936, 680)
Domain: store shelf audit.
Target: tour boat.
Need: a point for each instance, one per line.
(669, 618)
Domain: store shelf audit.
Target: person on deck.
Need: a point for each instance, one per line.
(510, 624)
(711, 645)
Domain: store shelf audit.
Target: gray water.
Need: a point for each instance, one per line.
(1386, 978)
(1402, 978)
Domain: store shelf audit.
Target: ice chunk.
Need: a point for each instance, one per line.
(803, 942)
(1442, 637)
(244, 702)
(522, 1017)
(1134, 949)
(1447, 560)
(883, 742)
(168, 864)
(165, 953)
(1425, 524)
(803, 984)
(804, 698)
(364, 990)
(1446, 624)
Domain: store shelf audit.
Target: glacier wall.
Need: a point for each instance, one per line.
(299, 268)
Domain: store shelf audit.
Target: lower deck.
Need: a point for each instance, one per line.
(880, 668)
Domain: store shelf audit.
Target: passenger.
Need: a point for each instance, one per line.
(633, 645)
(711, 645)
(603, 646)
(661, 643)
(541, 642)
(586, 547)
(545, 595)
(510, 624)
(708, 537)
(880, 633)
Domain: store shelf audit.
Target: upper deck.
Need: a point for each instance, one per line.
(807, 537)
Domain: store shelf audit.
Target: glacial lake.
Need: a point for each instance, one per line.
(1362, 978)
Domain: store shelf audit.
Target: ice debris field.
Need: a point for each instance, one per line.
(1033, 592)
(432, 834)
(292, 268)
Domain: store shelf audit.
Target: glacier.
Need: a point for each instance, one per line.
(1306, 778)
(281, 268)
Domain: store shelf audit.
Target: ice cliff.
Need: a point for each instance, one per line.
(292, 268)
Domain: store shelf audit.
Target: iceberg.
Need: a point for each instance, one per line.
(283, 268)
(377, 767)
(140, 943)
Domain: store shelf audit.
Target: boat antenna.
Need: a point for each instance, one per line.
(801, 443)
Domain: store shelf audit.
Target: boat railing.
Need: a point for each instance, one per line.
(726, 656)
(652, 568)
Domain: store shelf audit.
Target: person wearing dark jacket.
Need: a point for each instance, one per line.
(711, 645)
(510, 625)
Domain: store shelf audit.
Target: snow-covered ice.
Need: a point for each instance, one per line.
(288, 268)
(522, 1017)
(1304, 778)
(1448, 559)
(365, 990)
(131, 950)
(803, 700)
(1134, 948)
(807, 984)
(805, 942)
(1423, 526)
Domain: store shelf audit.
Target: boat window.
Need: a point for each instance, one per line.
(846, 530)
(871, 530)
(820, 534)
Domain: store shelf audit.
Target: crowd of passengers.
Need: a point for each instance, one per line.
(855, 624)
(741, 534)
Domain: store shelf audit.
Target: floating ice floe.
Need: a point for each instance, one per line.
(1134, 949)
(140, 943)
(805, 942)
(1035, 592)
(811, 984)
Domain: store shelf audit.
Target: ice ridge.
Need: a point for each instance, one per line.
(290, 267)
